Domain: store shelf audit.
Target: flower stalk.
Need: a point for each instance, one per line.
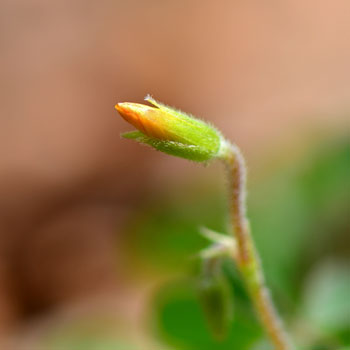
(176, 133)
(246, 257)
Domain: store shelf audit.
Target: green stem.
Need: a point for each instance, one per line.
(247, 258)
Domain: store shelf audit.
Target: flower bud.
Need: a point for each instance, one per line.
(171, 131)
(216, 298)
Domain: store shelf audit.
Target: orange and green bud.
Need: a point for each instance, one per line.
(171, 131)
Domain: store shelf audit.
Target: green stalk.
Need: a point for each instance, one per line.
(246, 257)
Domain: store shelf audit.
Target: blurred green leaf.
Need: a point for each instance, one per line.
(303, 207)
(165, 234)
(179, 321)
(327, 297)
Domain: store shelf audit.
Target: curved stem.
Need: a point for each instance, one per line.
(247, 257)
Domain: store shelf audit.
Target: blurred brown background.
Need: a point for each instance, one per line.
(264, 72)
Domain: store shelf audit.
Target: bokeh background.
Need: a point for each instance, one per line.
(98, 235)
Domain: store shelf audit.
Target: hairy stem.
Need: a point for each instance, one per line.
(247, 257)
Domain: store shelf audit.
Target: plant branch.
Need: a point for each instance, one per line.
(247, 257)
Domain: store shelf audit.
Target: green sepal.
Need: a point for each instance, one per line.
(177, 149)
(188, 129)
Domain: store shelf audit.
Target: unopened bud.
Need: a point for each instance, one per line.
(171, 131)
